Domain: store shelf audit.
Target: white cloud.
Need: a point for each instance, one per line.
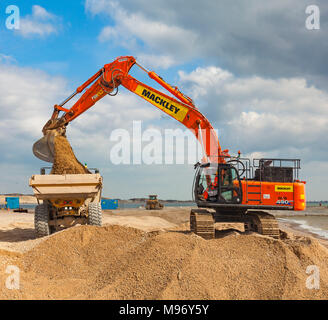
(152, 61)
(169, 43)
(263, 115)
(27, 97)
(26, 100)
(107, 34)
(97, 6)
(201, 79)
(247, 37)
(41, 13)
(5, 59)
(40, 23)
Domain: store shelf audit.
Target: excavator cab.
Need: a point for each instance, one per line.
(217, 183)
(229, 184)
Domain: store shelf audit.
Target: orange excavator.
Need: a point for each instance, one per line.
(226, 188)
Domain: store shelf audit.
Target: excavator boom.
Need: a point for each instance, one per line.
(106, 82)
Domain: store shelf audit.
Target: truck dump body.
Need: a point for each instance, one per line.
(69, 186)
(68, 199)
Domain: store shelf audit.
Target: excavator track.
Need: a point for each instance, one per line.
(262, 223)
(202, 223)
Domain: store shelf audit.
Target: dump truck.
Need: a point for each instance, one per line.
(66, 200)
(153, 204)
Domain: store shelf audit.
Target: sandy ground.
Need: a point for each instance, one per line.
(141, 254)
(17, 229)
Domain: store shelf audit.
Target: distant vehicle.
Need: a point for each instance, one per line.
(153, 203)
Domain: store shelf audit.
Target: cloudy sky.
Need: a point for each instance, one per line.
(252, 67)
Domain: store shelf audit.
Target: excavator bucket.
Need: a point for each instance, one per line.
(44, 148)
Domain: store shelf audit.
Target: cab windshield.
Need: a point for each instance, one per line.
(218, 183)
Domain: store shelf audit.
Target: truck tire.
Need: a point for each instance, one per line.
(41, 220)
(95, 214)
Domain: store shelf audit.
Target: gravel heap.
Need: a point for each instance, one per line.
(116, 262)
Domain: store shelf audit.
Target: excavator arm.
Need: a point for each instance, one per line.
(106, 82)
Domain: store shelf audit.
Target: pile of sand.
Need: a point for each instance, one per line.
(116, 262)
(65, 161)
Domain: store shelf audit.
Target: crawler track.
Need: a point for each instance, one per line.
(263, 223)
(202, 223)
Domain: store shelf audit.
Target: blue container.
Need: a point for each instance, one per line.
(109, 204)
(12, 203)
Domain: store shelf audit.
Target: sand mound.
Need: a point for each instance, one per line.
(116, 262)
(65, 161)
(145, 223)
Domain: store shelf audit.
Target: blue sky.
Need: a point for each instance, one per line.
(252, 68)
(73, 52)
